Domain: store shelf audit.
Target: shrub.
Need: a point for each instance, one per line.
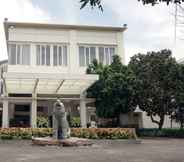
(42, 122)
(104, 133)
(75, 122)
(24, 133)
(41, 132)
(91, 133)
(165, 132)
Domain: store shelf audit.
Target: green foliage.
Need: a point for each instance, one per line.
(75, 122)
(156, 74)
(24, 133)
(93, 3)
(165, 132)
(114, 91)
(98, 3)
(104, 133)
(92, 133)
(178, 114)
(153, 2)
(42, 122)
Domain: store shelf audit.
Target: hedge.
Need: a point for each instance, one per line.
(165, 132)
(24, 133)
(104, 133)
(91, 133)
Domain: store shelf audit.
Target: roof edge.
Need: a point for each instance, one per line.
(62, 26)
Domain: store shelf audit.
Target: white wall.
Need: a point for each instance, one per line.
(147, 123)
(73, 38)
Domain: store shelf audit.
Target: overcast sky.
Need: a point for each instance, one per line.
(149, 28)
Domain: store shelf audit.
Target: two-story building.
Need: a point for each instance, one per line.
(48, 61)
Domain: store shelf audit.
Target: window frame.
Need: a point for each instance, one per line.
(40, 62)
(97, 53)
(18, 61)
(89, 47)
(64, 60)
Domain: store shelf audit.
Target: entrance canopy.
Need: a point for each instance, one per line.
(45, 83)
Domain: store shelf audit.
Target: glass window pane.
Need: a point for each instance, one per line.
(60, 55)
(92, 54)
(107, 56)
(38, 55)
(55, 55)
(18, 54)
(47, 55)
(112, 53)
(12, 54)
(101, 55)
(43, 55)
(87, 56)
(65, 56)
(26, 54)
(81, 56)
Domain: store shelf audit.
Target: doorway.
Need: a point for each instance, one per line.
(21, 116)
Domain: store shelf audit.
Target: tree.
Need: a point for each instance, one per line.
(153, 2)
(114, 89)
(94, 3)
(156, 74)
(178, 114)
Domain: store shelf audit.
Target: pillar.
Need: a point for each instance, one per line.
(83, 112)
(120, 49)
(34, 113)
(73, 48)
(5, 115)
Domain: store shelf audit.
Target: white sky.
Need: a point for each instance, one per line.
(149, 28)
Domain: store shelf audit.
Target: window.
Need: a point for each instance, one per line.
(60, 55)
(106, 54)
(19, 54)
(43, 55)
(81, 56)
(25, 54)
(86, 55)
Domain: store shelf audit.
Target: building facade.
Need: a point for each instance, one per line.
(48, 61)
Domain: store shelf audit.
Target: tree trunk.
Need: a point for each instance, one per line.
(160, 125)
(181, 125)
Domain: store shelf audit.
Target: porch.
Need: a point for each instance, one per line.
(27, 96)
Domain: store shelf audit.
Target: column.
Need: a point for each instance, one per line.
(73, 55)
(5, 115)
(34, 113)
(83, 112)
(120, 50)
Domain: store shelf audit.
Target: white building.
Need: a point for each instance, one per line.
(48, 61)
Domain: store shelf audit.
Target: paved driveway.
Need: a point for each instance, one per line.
(158, 150)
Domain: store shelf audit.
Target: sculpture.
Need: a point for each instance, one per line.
(61, 128)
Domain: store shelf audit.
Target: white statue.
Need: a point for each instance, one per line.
(60, 124)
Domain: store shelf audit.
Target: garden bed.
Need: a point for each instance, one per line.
(165, 132)
(89, 133)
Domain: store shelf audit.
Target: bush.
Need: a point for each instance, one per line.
(42, 122)
(75, 122)
(24, 133)
(91, 133)
(104, 133)
(165, 132)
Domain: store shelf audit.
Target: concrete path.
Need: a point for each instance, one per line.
(150, 150)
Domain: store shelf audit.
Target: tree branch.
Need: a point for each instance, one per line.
(153, 120)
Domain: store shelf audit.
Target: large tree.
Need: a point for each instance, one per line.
(178, 114)
(156, 74)
(94, 3)
(114, 90)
